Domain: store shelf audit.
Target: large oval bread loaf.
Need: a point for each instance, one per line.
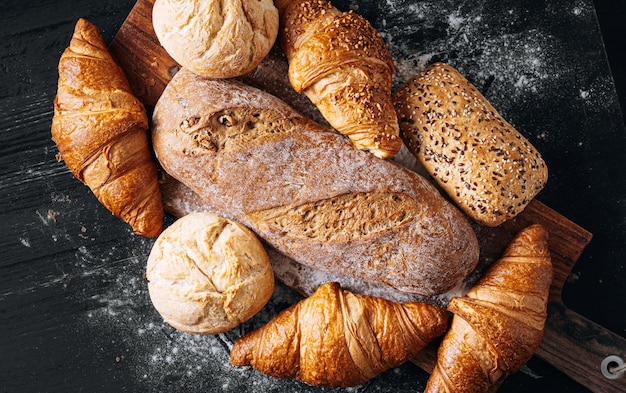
(306, 190)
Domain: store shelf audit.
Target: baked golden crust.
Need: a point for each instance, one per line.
(337, 338)
(498, 325)
(101, 131)
(343, 65)
(484, 164)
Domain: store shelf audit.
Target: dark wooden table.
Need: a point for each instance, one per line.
(74, 309)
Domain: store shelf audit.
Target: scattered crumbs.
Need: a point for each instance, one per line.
(60, 198)
(49, 217)
(528, 371)
(83, 231)
(25, 242)
(584, 94)
(52, 215)
(573, 277)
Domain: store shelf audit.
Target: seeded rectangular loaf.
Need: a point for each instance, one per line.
(306, 190)
(484, 164)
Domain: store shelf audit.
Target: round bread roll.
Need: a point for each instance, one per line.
(216, 39)
(207, 274)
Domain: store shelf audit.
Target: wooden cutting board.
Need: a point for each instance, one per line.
(571, 342)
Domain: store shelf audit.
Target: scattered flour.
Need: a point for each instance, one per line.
(504, 62)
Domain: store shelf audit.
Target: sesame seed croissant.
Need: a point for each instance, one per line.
(342, 64)
(339, 339)
(101, 131)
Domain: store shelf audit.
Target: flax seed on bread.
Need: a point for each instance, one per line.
(484, 164)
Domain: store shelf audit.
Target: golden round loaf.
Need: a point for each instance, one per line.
(207, 274)
(217, 39)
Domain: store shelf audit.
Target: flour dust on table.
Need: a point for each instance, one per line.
(159, 355)
(504, 48)
(507, 53)
(162, 358)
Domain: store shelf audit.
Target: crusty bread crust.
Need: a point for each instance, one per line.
(307, 190)
(207, 274)
(218, 39)
(484, 164)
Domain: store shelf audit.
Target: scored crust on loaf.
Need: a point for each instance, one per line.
(344, 217)
(265, 164)
(485, 165)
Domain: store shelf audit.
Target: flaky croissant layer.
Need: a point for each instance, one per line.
(342, 64)
(498, 325)
(339, 339)
(101, 131)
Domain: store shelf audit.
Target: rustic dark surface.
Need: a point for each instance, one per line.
(74, 311)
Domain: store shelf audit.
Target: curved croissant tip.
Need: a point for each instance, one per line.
(533, 238)
(536, 232)
(83, 24)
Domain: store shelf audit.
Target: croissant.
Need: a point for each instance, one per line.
(342, 64)
(498, 325)
(336, 338)
(101, 131)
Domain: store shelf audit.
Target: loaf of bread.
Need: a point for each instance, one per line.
(179, 200)
(307, 190)
(219, 39)
(207, 274)
(484, 164)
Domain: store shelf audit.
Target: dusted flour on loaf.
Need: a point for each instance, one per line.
(308, 191)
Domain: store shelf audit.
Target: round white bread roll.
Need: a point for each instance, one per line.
(207, 274)
(216, 39)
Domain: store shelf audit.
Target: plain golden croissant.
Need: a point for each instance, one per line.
(101, 131)
(339, 339)
(342, 64)
(498, 325)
